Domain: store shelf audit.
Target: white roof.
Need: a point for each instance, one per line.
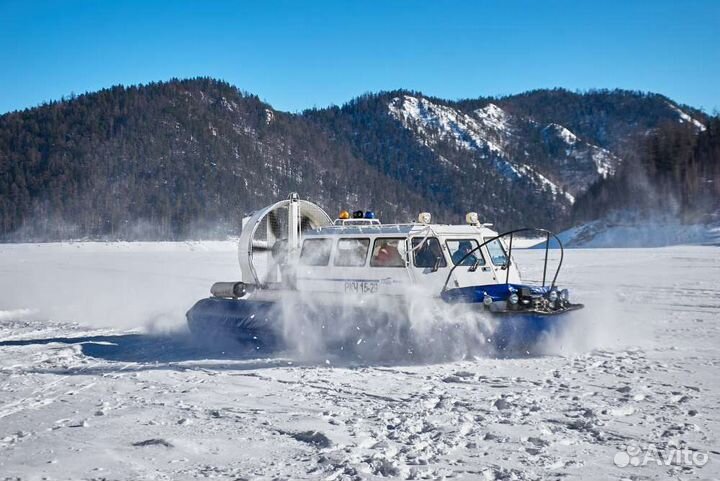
(403, 230)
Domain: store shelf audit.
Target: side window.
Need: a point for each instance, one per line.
(497, 253)
(427, 254)
(388, 253)
(351, 252)
(459, 248)
(315, 252)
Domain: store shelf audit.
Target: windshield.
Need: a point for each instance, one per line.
(497, 252)
(459, 250)
(429, 254)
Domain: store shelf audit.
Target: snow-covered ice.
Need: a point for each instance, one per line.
(99, 379)
(627, 231)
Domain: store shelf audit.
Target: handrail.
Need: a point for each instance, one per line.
(509, 254)
(430, 232)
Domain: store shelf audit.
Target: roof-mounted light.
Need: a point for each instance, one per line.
(424, 217)
(472, 218)
(344, 215)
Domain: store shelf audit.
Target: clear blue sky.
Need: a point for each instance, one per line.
(301, 54)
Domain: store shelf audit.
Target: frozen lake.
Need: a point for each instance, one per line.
(99, 379)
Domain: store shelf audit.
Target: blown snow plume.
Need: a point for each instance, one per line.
(421, 329)
(415, 328)
(611, 320)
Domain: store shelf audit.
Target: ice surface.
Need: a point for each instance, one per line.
(647, 232)
(90, 388)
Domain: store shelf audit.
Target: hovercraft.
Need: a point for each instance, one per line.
(298, 265)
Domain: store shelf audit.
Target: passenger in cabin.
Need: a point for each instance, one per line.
(464, 248)
(388, 255)
(359, 253)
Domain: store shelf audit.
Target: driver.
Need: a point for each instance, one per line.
(464, 247)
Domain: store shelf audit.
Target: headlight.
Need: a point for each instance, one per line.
(487, 300)
(513, 299)
(553, 295)
(565, 295)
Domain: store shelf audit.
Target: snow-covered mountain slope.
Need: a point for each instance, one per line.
(579, 155)
(562, 163)
(685, 117)
(436, 123)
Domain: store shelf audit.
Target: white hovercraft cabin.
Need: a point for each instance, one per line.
(294, 245)
(384, 259)
(310, 253)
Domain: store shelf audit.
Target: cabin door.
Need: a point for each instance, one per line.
(471, 266)
(430, 263)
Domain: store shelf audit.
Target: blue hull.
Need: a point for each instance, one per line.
(248, 322)
(259, 323)
(522, 332)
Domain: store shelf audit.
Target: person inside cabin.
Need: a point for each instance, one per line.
(388, 255)
(429, 254)
(464, 248)
(360, 252)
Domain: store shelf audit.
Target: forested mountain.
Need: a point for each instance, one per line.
(188, 158)
(608, 118)
(171, 160)
(675, 172)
